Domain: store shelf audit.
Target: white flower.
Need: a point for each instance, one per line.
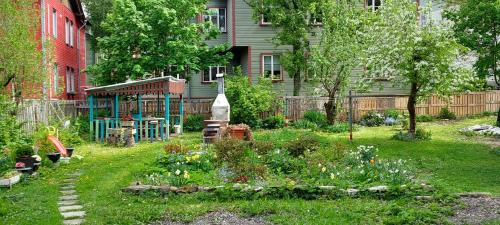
(323, 169)
(332, 176)
(177, 172)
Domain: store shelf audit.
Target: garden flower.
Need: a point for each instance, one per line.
(323, 169)
(169, 174)
(372, 162)
(177, 172)
(332, 176)
(319, 164)
(186, 174)
(188, 158)
(196, 157)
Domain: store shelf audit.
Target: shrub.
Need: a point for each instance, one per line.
(372, 119)
(424, 118)
(445, 113)
(391, 113)
(262, 147)
(248, 101)
(194, 123)
(174, 148)
(230, 150)
(201, 161)
(273, 122)
(304, 124)
(337, 152)
(11, 132)
(337, 128)
(280, 161)
(6, 164)
(316, 117)
(23, 150)
(420, 135)
(302, 144)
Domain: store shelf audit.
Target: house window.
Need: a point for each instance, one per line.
(209, 75)
(373, 4)
(218, 18)
(70, 80)
(56, 78)
(272, 67)
(71, 33)
(66, 31)
(317, 18)
(265, 19)
(54, 23)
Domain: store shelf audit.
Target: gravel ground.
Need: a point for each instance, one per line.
(477, 210)
(219, 218)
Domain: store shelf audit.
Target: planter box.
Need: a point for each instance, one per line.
(127, 123)
(8, 182)
(238, 133)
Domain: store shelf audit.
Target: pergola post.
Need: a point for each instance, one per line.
(117, 109)
(181, 113)
(167, 115)
(91, 114)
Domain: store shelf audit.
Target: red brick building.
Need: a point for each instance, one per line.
(63, 26)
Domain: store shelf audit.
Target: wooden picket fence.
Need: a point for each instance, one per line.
(292, 107)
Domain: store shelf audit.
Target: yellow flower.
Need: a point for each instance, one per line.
(188, 158)
(372, 162)
(291, 183)
(196, 157)
(332, 176)
(323, 169)
(186, 174)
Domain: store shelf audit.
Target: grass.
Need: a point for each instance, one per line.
(452, 162)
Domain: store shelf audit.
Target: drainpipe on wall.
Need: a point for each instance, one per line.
(45, 105)
(78, 57)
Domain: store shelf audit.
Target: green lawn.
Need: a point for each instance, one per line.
(452, 162)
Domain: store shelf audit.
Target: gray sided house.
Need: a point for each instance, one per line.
(253, 51)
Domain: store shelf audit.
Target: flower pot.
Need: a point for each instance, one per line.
(238, 133)
(27, 160)
(54, 157)
(69, 151)
(36, 166)
(9, 181)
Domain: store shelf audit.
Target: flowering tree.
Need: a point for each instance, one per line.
(338, 52)
(412, 54)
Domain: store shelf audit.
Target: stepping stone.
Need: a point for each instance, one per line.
(70, 208)
(68, 187)
(68, 192)
(68, 197)
(73, 222)
(69, 180)
(73, 215)
(74, 174)
(67, 202)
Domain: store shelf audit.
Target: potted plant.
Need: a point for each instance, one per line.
(9, 178)
(54, 156)
(23, 154)
(239, 131)
(127, 121)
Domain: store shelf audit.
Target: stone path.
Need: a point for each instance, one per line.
(69, 207)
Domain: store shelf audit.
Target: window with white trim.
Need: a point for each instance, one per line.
(373, 4)
(209, 75)
(70, 80)
(317, 18)
(55, 78)
(66, 31)
(217, 16)
(264, 19)
(271, 67)
(54, 23)
(71, 33)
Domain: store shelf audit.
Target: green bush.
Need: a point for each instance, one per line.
(420, 135)
(11, 132)
(391, 113)
(280, 161)
(337, 128)
(230, 150)
(194, 123)
(262, 147)
(424, 118)
(304, 124)
(6, 164)
(301, 145)
(248, 100)
(446, 114)
(372, 119)
(23, 150)
(316, 117)
(273, 122)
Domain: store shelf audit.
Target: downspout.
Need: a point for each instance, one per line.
(78, 57)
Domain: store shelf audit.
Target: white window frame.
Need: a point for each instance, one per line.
(66, 31)
(208, 17)
(373, 7)
(54, 23)
(262, 22)
(272, 76)
(70, 80)
(71, 33)
(210, 80)
(55, 78)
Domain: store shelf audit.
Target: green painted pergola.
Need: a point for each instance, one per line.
(160, 86)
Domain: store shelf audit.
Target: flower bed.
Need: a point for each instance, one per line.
(297, 164)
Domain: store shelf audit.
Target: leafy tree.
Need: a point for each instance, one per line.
(249, 101)
(147, 37)
(338, 52)
(421, 56)
(477, 26)
(98, 10)
(20, 60)
(294, 21)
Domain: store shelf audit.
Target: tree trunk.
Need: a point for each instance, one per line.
(331, 110)
(412, 101)
(296, 73)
